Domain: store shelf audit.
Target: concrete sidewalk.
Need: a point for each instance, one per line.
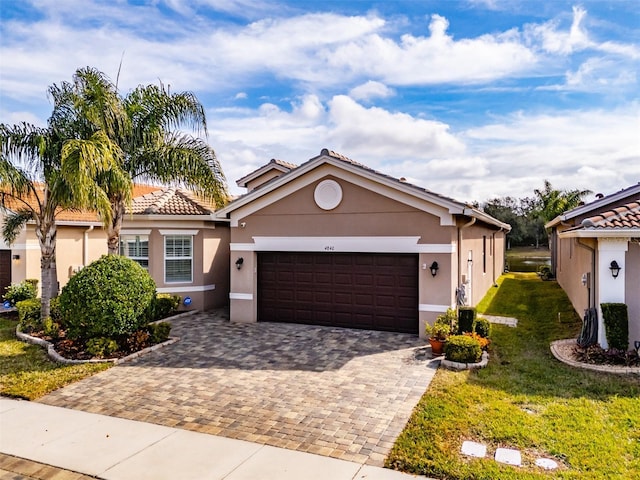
(116, 449)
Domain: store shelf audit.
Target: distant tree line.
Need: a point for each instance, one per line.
(527, 216)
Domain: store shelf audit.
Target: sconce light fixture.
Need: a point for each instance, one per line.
(615, 269)
(434, 268)
(15, 257)
(636, 344)
(239, 263)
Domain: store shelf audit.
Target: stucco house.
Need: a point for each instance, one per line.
(596, 255)
(333, 242)
(171, 233)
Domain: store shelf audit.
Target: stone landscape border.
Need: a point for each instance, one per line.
(559, 349)
(466, 366)
(56, 357)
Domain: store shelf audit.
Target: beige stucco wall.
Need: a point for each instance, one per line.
(632, 293)
(574, 260)
(75, 244)
(367, 213)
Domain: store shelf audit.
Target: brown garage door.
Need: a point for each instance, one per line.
(355, 290)
(5, 270)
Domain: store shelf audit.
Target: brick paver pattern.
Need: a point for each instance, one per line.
(336, 392)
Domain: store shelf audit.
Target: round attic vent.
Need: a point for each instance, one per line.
(328, 194)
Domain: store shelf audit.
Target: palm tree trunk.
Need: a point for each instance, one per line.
(113, 230)
(46, 232)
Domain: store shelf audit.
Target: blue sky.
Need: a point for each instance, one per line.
(471, 98)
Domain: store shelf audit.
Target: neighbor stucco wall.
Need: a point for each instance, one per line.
(575, 258)
(632, 293)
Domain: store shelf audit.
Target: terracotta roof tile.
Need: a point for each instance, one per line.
(170, 201)
(625, 216)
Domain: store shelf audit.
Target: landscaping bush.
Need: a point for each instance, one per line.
(110, 297)
(482, 327)
(165, 305)
(463, 349)
(18, 292)
(29, 315)
(616, 325)
(101, 347)
(483, 341)
(466, 319)
(159, 332)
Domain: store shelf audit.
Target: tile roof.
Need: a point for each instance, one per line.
(148, 200)
(170, 201)
(623, 217)
(274, 163)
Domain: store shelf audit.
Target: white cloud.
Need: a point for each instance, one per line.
(371, 90)
(241, 96)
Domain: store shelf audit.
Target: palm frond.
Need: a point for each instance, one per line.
(13, 223)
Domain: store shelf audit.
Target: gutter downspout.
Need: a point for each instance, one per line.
(85, 246)
(591, 286)
(495, 284)
(466, 225)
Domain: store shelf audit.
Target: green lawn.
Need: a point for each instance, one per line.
(525, 399)
(26, 371)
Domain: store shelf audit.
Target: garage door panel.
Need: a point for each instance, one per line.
(370, 291)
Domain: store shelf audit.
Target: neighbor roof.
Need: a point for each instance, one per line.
(597, 204)
(622, 221)
(274, 164)
(170, 201)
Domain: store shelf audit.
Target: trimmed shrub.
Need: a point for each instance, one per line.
(483, 341)
(466, 319)
(463, 349)
(101, 347)
(29, 315)
(50, 328)
(165, 305)
(108, 298)
(616, 325)
(159, 332)
(18, 292)
(482, 327)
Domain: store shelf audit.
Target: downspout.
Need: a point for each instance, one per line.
(591, 286)
(85, 246)
(493, 235)
(466, 225)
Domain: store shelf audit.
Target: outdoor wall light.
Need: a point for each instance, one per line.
(434, 268)
(636, 344)
(239, 263)
(615, 269)
(15, 257)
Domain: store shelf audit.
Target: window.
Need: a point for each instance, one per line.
(178, 258)
(484, 254)
(136, 247)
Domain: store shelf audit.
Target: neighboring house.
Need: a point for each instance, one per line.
(333, 242)
(169, 232)
(586, 241)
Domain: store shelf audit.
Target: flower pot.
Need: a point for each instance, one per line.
(437, 346)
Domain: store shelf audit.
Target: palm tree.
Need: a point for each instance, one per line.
(44, 171)
(552, 202)
(144, 125)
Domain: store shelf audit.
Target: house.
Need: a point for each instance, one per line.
(596, 255)
(168, 231)
(333, 242)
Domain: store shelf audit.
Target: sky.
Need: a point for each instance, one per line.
(473, 99)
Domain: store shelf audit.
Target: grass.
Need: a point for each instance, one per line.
(525, 399)
(26, 371)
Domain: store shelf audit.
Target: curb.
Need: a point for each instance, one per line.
(588, 366)
(56, 357)
(466, 366)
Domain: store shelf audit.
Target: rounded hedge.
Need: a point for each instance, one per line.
(463, 349)
(110, 297)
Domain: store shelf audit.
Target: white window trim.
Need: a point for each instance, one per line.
(128, 234)
(136, 232)
(193, 233)
(164, 261)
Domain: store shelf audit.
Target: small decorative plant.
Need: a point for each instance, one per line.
(438, 331)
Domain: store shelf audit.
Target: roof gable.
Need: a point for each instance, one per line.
(343, 167)
(275, 166)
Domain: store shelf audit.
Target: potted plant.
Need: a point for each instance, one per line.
(438, 333)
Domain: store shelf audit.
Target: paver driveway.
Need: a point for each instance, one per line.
(336, 392)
